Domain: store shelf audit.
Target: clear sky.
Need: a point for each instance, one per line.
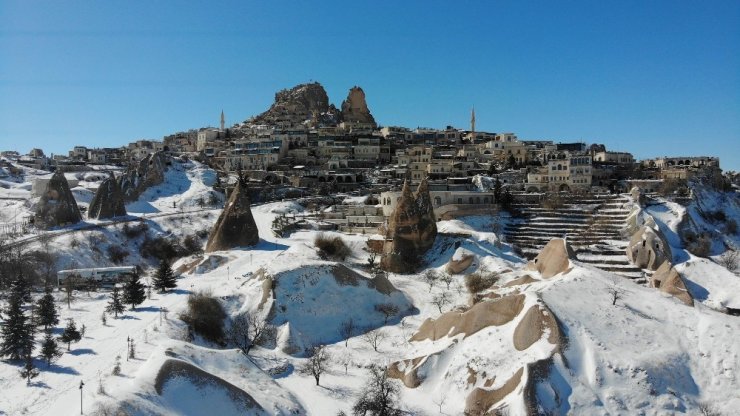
(652, 77)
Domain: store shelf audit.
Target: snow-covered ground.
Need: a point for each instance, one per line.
(647, 355)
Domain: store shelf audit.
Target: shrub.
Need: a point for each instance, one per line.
(731, 226)
(729, 260)
(159, 247)
(205, 316)
(698, 244)
(191, 245)
(479, 281)
(331, 247)
(117, 254)
(136, 230)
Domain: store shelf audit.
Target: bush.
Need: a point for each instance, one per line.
(205, 316)
(159, 247)
(135, 231)
(731, 227)
(698, 244)
(730, 260)
(331, 247)
(191, 245)
(479, 281)
(117, 254)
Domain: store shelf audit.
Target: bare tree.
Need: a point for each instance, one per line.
(388, 310)
(345, 360)
(69, 288)
(706, 409)
(374, 338)
(441, 300)
(347, 329)
(379, 396)
(729, 260)
(317, 364)
(246, 330)
(430, 277)
(446, 278)
(615, 292)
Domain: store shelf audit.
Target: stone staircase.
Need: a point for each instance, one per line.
(590, 223)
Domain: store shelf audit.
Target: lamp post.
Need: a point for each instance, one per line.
(81, 385)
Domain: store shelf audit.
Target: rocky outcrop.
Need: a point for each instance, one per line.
(235, 226)
(354, 108)
(149, 172)
(413, 229)
(537, 322)
(177, 377)
(57, 205)
(483, 314)
(299, 104)
(668, 280)
(460, 261)
(107, 202)
(648, 249)
(553, 259)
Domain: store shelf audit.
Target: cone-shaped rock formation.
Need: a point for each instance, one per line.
(235, 227)
(150, 172)
(107, 202)
(413, 228)
(57, 205)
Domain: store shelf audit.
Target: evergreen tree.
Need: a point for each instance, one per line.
(115, 305)
(17, 330)
(70, 334)
(164, 278)
(134, 292)
(29, 370)
(46, 309)
(50, 349)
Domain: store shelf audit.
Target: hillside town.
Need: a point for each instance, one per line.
(305, 143)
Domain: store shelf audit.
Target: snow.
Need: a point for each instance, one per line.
(648, 354)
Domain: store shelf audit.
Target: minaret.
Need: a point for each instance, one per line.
(223, 121)
(472, 125)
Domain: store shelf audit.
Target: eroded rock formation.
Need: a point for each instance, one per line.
(648, 249)
(354, 108)
(298, 104)
(107, 202)
(413, 228)
(149, 172)
(57, 205)
(553, 259)
(668, 280)
(483, 314)
(235, 226)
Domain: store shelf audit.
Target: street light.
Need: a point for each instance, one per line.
(81, 385)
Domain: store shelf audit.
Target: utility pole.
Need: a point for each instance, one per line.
(81, 385)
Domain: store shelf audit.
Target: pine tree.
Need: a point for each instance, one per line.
(46, 309)
(29, 370)
(134, 292)
(50, 349)
(70, 334)
(115, 306)
(164, 278)
(17, 330)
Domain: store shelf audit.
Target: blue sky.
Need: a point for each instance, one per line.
(655, 78)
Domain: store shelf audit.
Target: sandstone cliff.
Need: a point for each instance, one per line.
(149, 172)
